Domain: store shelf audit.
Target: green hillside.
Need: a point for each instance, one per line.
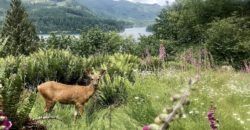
(124, 10)
(62, 15)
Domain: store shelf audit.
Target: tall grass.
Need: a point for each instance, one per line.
(150, 94)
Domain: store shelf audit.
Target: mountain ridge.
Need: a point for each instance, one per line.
(123, 9)
(68, 15)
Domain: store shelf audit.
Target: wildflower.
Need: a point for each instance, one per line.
(212, 120)
(242, 122)
(235, 114)
(191, 112)
(184, 116)
(136, 98)
(6, 124)
(162, 53)
(146, 127)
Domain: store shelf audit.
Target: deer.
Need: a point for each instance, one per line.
(53, 92)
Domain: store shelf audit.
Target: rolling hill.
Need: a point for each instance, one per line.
(70, 16)
(62, 16)
(123, 10)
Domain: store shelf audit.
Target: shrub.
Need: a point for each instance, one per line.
(96, 41)
(112, 93)
(16, 106)
(228, 41)
(54, 41)
(152, 64)
(122, 65)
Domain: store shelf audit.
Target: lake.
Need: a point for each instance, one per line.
(135, 32)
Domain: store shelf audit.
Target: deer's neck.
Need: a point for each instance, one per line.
(90, 91)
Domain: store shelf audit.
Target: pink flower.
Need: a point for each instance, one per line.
(5, 122)
(162, 52)
(212, 120)
(146, 127)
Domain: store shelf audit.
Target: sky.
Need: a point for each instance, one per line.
(160, 2)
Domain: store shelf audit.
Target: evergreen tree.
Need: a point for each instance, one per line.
(22, 34)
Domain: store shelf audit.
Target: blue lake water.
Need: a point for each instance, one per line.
(134, 32)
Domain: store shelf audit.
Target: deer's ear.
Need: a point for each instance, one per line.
(102, 72)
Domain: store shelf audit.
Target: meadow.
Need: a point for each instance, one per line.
(151, 92)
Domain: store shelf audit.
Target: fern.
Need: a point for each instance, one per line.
(11, 94)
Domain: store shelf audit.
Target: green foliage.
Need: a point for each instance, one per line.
(3, 43)
(11, 94)
(56, 65)
(96, 41)
(113, 91)
(54, 41)
(122, 65)
(93, 41)
(64, 16)
(22, 38)
(151, 64)
(187, 24)
(228, 41)
(150, 94)
(141, 109)
(148, 42)
(15, 105)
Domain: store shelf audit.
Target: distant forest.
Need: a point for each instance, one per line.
(68, 18)
(75, 24)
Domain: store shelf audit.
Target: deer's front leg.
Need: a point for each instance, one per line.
(79, 109)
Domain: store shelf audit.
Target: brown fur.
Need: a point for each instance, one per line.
(53, 92)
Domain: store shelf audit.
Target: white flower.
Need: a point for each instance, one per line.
(196, 112)
(136, 98)
(235, 114)
(184, 116)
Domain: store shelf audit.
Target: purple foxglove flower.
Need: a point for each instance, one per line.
(146, 127)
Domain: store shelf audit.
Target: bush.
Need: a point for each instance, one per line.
(16, 106)
(96, 41)
(228, 41)
(113, 91)
(58, 65)
(153, 64)
(122, 65)
(63, 41)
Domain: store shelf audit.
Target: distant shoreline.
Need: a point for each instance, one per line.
(135, 32)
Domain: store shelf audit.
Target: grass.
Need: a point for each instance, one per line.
(230, 92)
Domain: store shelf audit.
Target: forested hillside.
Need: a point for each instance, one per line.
(221, 26)
(124, 10)
(63, 16)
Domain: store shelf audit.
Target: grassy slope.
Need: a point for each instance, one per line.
(150, 94)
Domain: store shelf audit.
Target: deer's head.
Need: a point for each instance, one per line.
(94, 78)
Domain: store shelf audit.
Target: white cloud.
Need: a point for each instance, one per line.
(160, 2)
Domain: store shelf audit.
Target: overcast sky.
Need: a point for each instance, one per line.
(161, 2)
